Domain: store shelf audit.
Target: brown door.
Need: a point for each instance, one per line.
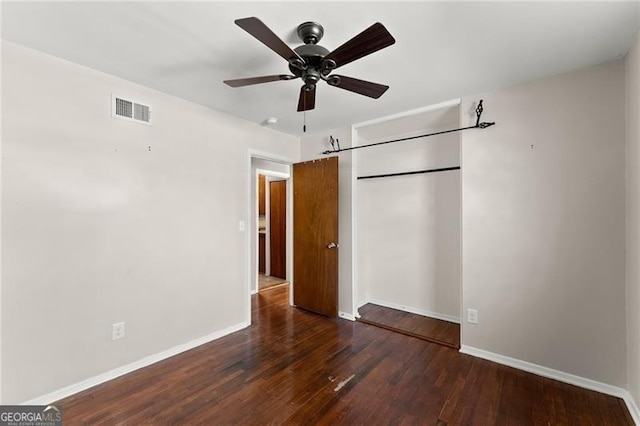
(278, 228)
(261, 196)
(261, 236)
(315, 236)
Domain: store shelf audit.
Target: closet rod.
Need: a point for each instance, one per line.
(417, 172)
(478, 125)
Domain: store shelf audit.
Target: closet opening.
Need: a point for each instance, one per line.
(408, 225)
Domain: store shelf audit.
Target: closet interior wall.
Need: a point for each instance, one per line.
(408, 227)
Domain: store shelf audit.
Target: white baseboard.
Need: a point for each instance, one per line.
(633, 407)
(557, 375)
(347, 316)
(120, 371)
(412, 310)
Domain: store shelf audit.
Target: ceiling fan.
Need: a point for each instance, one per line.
(312, 62)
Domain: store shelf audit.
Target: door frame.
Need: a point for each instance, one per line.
(252, 217)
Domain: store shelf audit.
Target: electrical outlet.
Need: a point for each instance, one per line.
(241, 226)
(472, 316)
(117, 330)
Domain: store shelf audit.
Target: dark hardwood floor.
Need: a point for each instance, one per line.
(295, 367)
(431, 329)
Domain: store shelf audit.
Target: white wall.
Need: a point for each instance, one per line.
(408, 227)
(106, 220)
(311, 147)
(543, 217)
(632, 73)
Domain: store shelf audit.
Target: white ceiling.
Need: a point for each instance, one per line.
(443, 50)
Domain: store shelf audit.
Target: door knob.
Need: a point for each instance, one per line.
(332, 246)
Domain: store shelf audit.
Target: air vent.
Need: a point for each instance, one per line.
(141, 112)
(131, 110)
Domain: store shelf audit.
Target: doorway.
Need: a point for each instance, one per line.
(264, 170)
(321, 247)
(272, 235)
(268, 164)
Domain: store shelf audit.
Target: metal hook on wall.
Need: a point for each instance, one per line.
(334, 143)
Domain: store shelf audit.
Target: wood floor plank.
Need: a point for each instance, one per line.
(295, 367)
(419, 326)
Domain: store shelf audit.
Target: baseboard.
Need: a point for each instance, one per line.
(633, 407)
(418, 311)
(136, 365)
(347, 316)
(557, 375)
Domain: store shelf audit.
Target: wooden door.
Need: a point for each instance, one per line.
(315, 236)
(262, 255)
(261, 196)
(278, 228)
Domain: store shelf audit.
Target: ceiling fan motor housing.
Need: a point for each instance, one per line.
(313, 64)
(312, 55)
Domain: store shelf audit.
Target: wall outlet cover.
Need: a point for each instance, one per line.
(117, 331)
(472, 316)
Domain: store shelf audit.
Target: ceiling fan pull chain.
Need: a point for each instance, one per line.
(304, 124)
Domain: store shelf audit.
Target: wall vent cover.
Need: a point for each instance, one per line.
(129, 109)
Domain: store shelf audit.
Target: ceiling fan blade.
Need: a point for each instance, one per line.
(371, 40)
(307, 100)
(239, 82)
(362, 87)
(262, 33)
